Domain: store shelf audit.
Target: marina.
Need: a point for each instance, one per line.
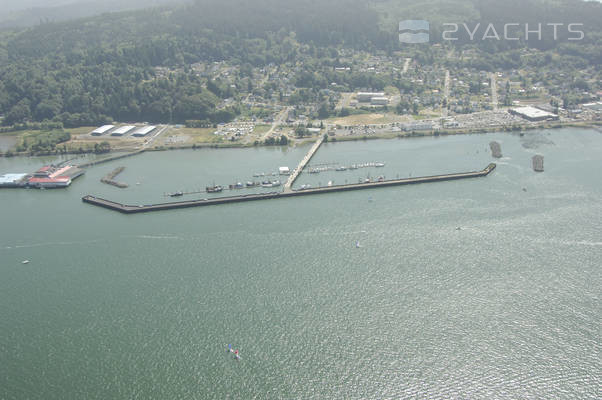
(321, 269)
(132, 209)
(316, 169)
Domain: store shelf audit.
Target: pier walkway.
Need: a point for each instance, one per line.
(288, 186)
(131, 209)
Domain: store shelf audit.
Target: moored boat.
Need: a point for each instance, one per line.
(214, 189)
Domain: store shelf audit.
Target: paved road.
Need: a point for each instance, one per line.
(150, 141)
(280, 118)
(445, 94)
(406, 65)
(493, 84)
(344, 102)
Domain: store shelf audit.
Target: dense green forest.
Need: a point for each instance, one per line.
(22, 13)
(95, 70)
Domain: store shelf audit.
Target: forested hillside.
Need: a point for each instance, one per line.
(98, 69)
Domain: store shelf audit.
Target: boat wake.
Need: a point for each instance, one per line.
(31, 245)
(156, 237)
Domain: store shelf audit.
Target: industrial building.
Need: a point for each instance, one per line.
(366, 97)
(418, 126)
(379, 101)
(593, 106)
(12, 180)
(49, 176)
(122, 130)
(533, 114)
(102, 130)
(140, 132)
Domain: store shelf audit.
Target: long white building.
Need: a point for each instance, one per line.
(122, 130)
(144, 131)
(367, 96)
(102, 130)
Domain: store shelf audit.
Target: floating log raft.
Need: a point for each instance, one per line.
(109, 178)
(538, 163)
(496, 149)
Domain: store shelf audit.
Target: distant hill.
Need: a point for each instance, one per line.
(33, 12)
(95, 69)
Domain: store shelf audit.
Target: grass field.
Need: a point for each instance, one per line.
(369, 119)
(82, 130)
(189, 136)
(261, 129)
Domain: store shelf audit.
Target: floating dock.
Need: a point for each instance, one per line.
(132, 209)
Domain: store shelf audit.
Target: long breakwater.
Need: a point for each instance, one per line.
(141, 208)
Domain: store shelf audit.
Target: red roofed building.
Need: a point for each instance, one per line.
(61, 181)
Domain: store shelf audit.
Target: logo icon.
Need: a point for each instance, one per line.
(414, 31)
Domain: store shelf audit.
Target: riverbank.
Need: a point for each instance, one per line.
(336, 138)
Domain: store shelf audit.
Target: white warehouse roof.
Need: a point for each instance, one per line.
(145, 130)
(532, 112)
(103, 129)
(123, 130)
(11, 178)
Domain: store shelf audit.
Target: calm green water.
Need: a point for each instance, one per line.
(143, 306)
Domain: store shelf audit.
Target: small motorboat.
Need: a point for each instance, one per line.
(176, 194)
(25, 262)
(214, 189)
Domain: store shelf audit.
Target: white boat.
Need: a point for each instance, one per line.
(25, 262)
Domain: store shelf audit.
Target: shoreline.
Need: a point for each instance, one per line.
(121, 153)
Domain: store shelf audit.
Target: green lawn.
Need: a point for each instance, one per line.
(261, 129)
